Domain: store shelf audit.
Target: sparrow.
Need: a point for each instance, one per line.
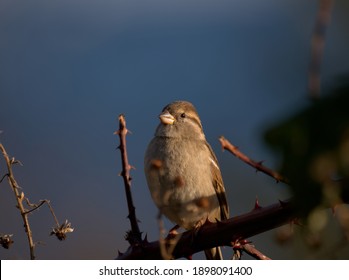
(182, 171)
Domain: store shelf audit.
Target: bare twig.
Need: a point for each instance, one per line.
(60, 230)
(52, 212)
(135, 236)
(19, 198)
(257, 165)
(253, 252)
(37, 206)
(34, 206)
(3, 177)
(317, 46)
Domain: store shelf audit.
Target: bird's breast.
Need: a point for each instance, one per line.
(180, 179)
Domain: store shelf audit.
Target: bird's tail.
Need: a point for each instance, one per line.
(214, 254)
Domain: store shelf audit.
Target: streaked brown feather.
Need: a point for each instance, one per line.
(219, 186)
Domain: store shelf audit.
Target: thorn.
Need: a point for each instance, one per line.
(21, 196)
(283, 203)
(118, 147)
(190, 257)
(132, 167)
(128, 131)
(120, 254)
(173, 231)
(117, 132)
(145, 240)
(207, 222)
(219, 222)
(236, 245)
(256, 204)
(260, 164)
(221, 140)
(245, 241)
(124, 131)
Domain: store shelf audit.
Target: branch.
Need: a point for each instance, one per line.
(135, 236)
(60, 230)
(225, 232)
(317, 46)
(183, 245)
(35, 206)
(257, 165)
(19, 198)
(251, 250)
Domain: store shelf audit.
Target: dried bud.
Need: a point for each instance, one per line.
(62, 230)
(6, 240)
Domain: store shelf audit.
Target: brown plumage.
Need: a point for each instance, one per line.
(182, 171)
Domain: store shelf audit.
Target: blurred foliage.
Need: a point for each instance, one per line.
(314, 145)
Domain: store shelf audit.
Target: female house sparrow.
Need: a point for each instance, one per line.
(182, 171)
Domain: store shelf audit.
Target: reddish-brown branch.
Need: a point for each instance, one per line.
(246, 246)
(225, 232)
(134, 236)
(257, 165)
(253, 252)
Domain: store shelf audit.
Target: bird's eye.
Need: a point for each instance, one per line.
(183, 115)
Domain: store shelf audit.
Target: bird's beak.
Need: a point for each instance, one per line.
(166, 118)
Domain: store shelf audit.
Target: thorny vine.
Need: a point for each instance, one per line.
(232, 232)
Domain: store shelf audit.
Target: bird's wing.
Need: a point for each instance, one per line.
(218, 185)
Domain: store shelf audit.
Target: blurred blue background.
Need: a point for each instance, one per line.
(69, 68)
